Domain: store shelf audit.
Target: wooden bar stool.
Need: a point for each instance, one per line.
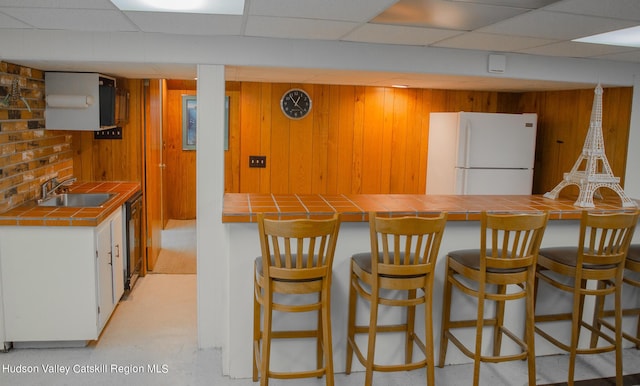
(507, 256)
(406, 250)
(297, 258)
(631, 277)
(600, 256)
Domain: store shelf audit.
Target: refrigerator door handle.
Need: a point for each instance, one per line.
(462, 181)
(467, 145)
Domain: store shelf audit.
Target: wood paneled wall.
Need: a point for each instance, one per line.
(563, 122)
(113, 159)
(374, 140)
(356, 139)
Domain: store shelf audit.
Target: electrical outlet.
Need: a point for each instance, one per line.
(115, 133)
(257, 161)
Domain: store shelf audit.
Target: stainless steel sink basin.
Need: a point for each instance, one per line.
(92, 200)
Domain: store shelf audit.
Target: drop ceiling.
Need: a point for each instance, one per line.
(536, 27)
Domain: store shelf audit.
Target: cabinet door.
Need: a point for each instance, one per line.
(104, 267)
(117, 249)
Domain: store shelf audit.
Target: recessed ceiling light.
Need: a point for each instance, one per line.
(400, 86)
(223, 7)
(628, 37)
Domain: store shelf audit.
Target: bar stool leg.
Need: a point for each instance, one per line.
(371, 347)
(497, 331)
(446, 317)
(479, 326)
(428, 330)
(638, 333)
(578, 300)
(597, 315)
(327, 344)
(411, 317)
(319, 337)
(529, 328)
(351, 322)
(618, 332)
(266, 340)
(256, 333)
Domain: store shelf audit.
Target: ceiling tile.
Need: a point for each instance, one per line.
(72, 19)
(528, 4)
(7, 21)
(294, 28)
(631, 56)
(445, 14)
(186, 24)
(576, 50)
(393, 34)
(555, 25)
(65, 4)
(490, 42)
(353, 10)
(622, 9)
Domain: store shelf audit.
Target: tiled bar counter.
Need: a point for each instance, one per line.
(462, 231)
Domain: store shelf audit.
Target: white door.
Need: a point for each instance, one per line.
(104, 266)
(494, 181)
(117, 249)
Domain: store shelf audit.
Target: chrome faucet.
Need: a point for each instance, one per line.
(52, 184)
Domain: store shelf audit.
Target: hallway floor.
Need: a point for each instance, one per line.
(154, 329)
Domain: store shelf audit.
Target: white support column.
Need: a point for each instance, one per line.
(632, 175)
(212, 235)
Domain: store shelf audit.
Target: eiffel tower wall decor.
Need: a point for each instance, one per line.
(592, 171)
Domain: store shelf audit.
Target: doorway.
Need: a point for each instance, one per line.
(172, 168)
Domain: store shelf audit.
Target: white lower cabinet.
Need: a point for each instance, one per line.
(60, 283)
(110, 268)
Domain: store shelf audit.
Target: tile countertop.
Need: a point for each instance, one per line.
(30, 214)
(242, 207)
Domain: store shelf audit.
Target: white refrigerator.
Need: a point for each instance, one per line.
(481, 153)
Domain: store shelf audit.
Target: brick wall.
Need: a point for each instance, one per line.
(29, 154)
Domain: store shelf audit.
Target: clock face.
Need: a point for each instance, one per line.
(295, 103)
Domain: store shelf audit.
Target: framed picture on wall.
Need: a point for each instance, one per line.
(189, 114)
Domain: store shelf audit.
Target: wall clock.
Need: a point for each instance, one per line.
(295, 103)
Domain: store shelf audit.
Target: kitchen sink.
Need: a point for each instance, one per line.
(77, 200)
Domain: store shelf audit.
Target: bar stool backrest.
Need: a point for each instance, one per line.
(305, 247)
(605, 238)
(510, 241)
(405, 245)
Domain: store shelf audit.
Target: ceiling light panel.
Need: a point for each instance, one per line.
(628, 37)
(222, 7)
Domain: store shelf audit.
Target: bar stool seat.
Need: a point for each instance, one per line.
(634, 253)
(567, 256)
(470, 258)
